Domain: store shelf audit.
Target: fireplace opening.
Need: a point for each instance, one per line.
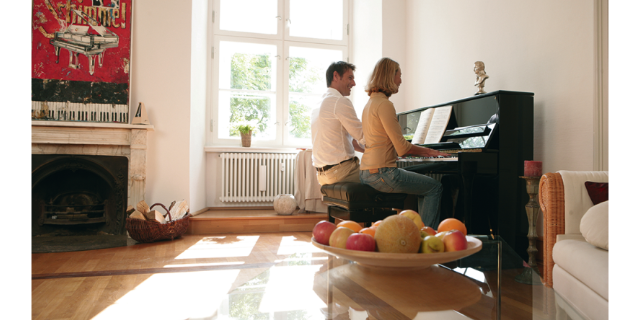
(78, 201)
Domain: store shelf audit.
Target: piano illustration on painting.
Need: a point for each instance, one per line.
(90, 40)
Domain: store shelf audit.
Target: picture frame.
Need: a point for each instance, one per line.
(81, 60)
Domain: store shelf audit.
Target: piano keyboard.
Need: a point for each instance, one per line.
(460, 150)
(90, 112)
(417, 160)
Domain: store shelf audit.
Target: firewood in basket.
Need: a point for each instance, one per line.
(179, 210)
(143, 207)
(151, 215)
(137, 215)
(158, 216)
(130, 210)
(171, 205)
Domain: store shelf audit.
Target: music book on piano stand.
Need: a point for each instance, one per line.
(432, 125)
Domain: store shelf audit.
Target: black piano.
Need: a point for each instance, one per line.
(489, 136)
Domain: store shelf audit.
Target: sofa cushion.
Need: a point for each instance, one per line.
(594, 225)
(576, 197)
(598, 191)
(586, 263)
(586, 302)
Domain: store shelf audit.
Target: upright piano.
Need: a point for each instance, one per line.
(488, 136)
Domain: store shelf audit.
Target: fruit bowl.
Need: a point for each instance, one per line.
(381, 260)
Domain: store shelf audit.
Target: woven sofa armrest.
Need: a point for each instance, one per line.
(551, 198)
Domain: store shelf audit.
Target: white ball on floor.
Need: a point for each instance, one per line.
(284, 204)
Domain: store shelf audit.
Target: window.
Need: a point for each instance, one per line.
(268, 65)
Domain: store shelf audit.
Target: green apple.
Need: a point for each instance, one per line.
(339, 237)
(431, 244)
(441, 234)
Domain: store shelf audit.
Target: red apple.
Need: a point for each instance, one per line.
(322, 231)
(427, 231)
(361, 241)
(454, 240)
(339, 237)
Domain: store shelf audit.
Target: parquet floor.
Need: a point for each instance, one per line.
(189, 277)
(141, 281)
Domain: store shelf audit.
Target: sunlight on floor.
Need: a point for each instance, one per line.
(220, 247)
(173, 296)
(291, 288)
(290, 245)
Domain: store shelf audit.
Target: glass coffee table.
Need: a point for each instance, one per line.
(319, 285)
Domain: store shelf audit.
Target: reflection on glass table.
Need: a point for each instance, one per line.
(321, 286)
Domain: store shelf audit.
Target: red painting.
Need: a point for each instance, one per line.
(81, 52)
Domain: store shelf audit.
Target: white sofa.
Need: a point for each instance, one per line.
(575, 249)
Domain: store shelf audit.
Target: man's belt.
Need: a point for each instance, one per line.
(329, 166)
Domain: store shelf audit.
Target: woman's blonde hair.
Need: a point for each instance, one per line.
(381, 79)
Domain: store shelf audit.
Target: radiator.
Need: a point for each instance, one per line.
(256, 177)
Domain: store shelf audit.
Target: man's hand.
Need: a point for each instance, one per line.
(356, 146)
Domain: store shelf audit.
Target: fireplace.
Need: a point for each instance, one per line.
(78, 195)
(84, 175)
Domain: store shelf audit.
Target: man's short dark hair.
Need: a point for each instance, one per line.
(341, 67)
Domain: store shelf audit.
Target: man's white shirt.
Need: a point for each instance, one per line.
(334, 124)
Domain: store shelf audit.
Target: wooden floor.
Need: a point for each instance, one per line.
(187, 278)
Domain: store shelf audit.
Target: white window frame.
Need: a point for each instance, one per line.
(345, 28)
(214, 90)
(277, 36)
(283, 42)
(288, 141)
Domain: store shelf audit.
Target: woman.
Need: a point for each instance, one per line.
(384, 142)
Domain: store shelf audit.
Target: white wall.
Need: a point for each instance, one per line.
(545, 47)
(366, 46)
(379, 30)
(394, 43)
(161, 78)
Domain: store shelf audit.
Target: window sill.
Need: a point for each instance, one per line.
(252, 149)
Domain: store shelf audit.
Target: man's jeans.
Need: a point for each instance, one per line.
(394, 180)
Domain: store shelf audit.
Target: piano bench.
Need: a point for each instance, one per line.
(359, 202)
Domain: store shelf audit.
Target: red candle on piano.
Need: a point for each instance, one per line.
(532, 168)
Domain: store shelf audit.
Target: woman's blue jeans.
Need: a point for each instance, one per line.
(395, 180)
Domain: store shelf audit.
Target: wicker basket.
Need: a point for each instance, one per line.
(151, 230)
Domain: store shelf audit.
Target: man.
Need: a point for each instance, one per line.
(336, 131)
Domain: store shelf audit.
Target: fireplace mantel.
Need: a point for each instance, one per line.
(91, 138)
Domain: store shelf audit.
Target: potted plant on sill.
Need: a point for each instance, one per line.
(245, 133)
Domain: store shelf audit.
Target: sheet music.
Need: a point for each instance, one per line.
(438, 124)
(422, 127)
